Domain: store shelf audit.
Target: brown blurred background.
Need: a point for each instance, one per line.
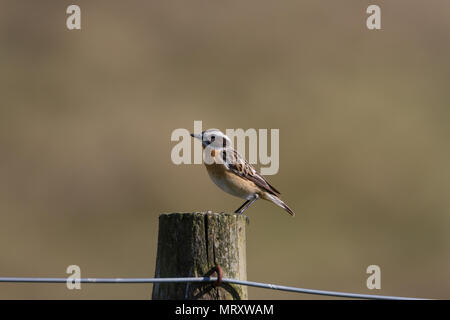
(86, 118)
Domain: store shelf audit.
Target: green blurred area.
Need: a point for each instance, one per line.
(86, 118)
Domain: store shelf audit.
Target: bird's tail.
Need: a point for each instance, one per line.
(280, 203)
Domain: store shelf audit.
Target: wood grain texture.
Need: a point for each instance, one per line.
(191, 244)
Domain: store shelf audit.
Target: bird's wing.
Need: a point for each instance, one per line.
(239, 166)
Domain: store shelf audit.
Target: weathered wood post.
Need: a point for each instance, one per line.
(191, 245)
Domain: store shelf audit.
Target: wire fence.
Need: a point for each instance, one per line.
(206, 280)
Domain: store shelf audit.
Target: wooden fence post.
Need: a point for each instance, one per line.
(190, 245)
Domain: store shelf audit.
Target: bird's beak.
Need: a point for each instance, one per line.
(196, 135)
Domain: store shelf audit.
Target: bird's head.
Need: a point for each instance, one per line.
(213, 138)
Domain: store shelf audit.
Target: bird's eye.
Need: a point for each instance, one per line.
(213, 138)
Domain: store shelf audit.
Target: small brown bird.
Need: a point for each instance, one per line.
(233, 174)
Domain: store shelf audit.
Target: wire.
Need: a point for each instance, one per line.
(205, 279)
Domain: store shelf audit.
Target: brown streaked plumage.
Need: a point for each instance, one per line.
(233, 174)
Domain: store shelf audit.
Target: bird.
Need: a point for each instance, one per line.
(233, 174)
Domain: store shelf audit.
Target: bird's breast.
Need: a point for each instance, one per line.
(230, 182)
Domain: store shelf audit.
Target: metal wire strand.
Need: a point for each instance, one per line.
(204, 279)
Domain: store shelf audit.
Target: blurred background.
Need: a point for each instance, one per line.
(86, 118)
